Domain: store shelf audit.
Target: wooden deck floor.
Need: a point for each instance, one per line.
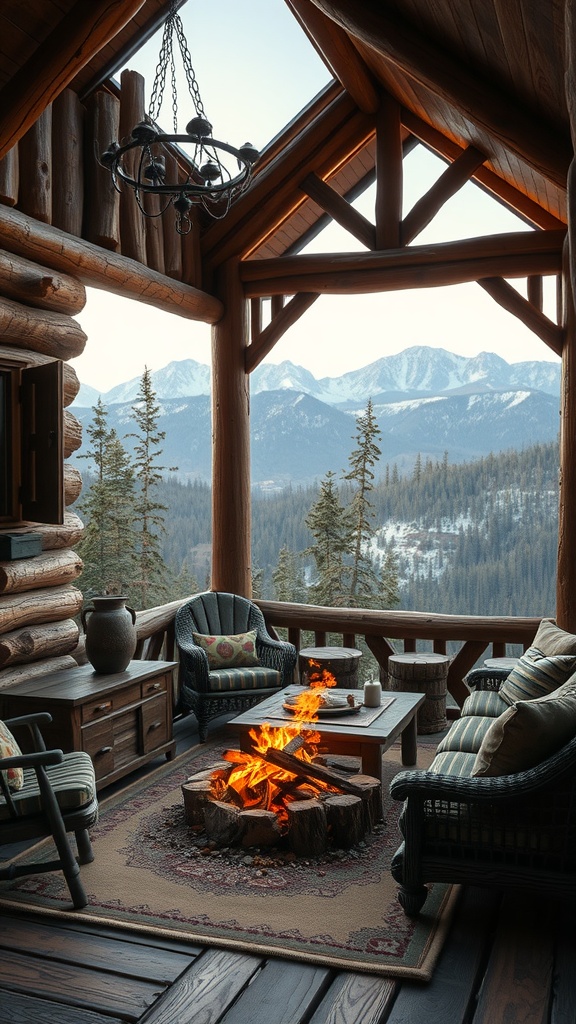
(509, 959)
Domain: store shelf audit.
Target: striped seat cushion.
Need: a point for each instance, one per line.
(453, 762)
(486, 703)
(466, 735)
(73, 782)
(225, 679)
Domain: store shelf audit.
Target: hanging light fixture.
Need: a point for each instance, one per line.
(209, 183)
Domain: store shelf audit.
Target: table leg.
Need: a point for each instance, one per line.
(371, 756)
(409, 742)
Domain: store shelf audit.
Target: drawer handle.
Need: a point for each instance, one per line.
(155, 686)
(103, 750)
(154, 725)
(103, 707)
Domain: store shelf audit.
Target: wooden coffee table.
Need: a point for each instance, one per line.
(344, 734)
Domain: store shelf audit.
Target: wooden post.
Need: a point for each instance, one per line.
(35, 156)
(231, 511)
(102, 216)
(68, 162)
(566, 569)
(388, 174)
(132, 229)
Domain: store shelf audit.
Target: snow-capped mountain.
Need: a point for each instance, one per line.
(425, 400)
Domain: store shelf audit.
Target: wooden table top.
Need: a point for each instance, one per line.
(388, 724)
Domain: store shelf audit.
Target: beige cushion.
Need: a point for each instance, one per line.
(552, 640)
(528, 733)
(9, 748)
(237, 651)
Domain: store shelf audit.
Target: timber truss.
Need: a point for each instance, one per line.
(332, 154)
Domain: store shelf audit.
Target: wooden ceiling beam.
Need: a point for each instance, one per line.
(480, 101)
(338, 53)
(510, 300)
(485, 178)
(276, 329)
(340, 210)
(70, 46)
(451, 181)
(518, 254)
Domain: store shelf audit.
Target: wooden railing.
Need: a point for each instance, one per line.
(473, 635)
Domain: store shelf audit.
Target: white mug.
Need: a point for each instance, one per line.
(372, 694)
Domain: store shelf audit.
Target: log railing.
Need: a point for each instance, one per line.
(475, 634)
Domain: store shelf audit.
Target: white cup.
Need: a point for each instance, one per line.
(372, 694)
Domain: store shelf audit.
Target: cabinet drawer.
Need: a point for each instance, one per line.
(106, 705)
(98, 741)
(154, 723)
(152, 686)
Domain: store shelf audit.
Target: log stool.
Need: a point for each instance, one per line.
(341, 662)
(422, 673)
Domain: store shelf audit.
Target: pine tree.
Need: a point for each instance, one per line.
(107, 547)
(368, 587)
(328, 522)
(288, 578)
(153, 577)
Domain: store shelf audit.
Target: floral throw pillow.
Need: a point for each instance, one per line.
(9, 748)
(237, 651)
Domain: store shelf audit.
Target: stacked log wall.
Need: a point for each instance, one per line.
(39, 601)
(54, 175)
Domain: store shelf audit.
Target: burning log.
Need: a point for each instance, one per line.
(371, 799)
(307, 828)
(309, 770)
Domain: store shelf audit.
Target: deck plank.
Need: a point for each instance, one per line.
(282, 992)
(207, 989)
(517, 987)
(448, 995)
(354, 998)
(102, 991)
(16, 1008)
(564, 993)
(93, 950)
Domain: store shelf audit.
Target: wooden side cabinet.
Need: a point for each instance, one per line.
(122, 720)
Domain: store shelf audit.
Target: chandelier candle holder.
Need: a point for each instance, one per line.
(210, 182)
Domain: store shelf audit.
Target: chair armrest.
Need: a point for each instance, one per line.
(480, 789)
(32, 723)
(194, 661)
(40, 757)
(486, 678)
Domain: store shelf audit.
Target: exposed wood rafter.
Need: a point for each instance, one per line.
(478, 100)
(70, 46)
(517, 254)
(263, 341)
(510, 300)
(454, 177)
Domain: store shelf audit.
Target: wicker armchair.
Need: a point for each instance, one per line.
(213, 692)
(511, 830)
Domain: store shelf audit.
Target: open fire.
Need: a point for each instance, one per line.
(283, 791)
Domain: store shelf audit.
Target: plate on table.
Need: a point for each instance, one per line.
(326, 712)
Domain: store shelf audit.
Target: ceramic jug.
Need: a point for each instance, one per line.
(110, 631)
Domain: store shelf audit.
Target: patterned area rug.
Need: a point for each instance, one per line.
(341, 910)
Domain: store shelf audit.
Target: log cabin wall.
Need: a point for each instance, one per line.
(53, 175)
(38, 599)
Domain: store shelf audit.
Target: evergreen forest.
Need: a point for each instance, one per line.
(478, 538)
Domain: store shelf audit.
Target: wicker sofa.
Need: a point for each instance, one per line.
(498, 804)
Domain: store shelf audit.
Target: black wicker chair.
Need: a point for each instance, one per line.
(513, 830)
(213, 692)
(58, 796)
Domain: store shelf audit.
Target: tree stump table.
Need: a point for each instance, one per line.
(422, 673)
(340, 662)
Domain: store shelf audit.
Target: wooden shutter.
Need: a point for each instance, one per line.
(42, 466)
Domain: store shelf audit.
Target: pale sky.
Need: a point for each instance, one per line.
(250, 89)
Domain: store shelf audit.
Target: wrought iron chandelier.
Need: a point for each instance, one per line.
(210, 182)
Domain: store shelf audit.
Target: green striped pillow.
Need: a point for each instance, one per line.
(535, 675)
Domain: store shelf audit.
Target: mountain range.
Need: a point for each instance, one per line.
(426, 400)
